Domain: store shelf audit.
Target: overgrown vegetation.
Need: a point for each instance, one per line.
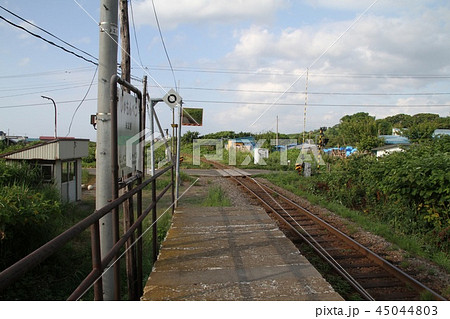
(29, 211)
(31, 214)
(90, 160)
(216, 198)
(406, 191)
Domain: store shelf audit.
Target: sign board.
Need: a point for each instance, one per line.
(172, 99)
(127, 130)
(192, 117)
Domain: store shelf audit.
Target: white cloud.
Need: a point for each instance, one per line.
(416, 44)
(360, 5)
(174, 12)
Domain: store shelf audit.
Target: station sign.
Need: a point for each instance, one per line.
(128, 120)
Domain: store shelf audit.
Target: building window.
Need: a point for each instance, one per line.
(68, 171)
(47, 172)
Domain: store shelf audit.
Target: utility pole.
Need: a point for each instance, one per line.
(277, 132)
(125, 41)
(306, 104)
(107, 65)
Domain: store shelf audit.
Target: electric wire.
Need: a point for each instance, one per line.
(315, 61)
(46, 40)
(115, 41)
(41, 104)
(262, 103)
(316, 104)
(82, 101)
(283, 73)
(135, 33)
(46, 73)
(49, 33)
(164, 44)
(51, 90)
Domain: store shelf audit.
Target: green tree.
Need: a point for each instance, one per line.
(421, 132)
(384, 127)
(189, 137)
(399, 120)
(360, 130)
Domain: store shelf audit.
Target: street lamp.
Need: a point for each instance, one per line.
(54, 105)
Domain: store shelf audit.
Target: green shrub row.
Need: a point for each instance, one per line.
(29, 211)
(409, 190)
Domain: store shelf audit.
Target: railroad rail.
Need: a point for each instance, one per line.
(373, 277)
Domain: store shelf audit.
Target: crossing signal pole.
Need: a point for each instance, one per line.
(107, 64)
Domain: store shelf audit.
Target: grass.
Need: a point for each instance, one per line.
(58, 276)
(216, 198)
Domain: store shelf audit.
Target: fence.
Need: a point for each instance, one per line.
(132, 232)
(133, 216)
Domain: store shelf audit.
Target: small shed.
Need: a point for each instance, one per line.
(242, 144)
(60, 161)
(387, 149)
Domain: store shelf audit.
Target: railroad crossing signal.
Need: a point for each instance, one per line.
(299, 168)
(172, 99)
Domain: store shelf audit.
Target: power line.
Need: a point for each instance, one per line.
(254, 103)
(314, 93)
(63, 86)
(135, 33)
(311, 74)
(36, 74)
(47, 32)
(164, 44)
(316, 104)
(52, 90)
(48, 41)
(41, 104)
(84, 98)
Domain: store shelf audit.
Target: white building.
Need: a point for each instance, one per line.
(387, 149)
(60, 160)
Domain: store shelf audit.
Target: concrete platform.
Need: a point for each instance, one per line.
(232, 254)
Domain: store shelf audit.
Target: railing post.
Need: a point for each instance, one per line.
(96, 260)
(130, 248)
(139, 266)
(154, 223)
(173, 189)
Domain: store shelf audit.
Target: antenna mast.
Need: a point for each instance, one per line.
(306, 104)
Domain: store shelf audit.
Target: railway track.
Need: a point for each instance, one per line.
(370, 275)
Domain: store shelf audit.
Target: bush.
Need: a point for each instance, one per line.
(20, 173)
(408, 190)
(28, 211)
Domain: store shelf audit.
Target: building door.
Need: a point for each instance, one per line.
(68, 181)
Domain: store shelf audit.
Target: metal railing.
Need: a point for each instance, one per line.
(133, 219)
(99, 265)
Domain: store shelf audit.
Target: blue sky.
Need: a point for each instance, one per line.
(243, 61)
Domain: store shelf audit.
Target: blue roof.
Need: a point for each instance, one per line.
(395, 139)
(244, 140)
